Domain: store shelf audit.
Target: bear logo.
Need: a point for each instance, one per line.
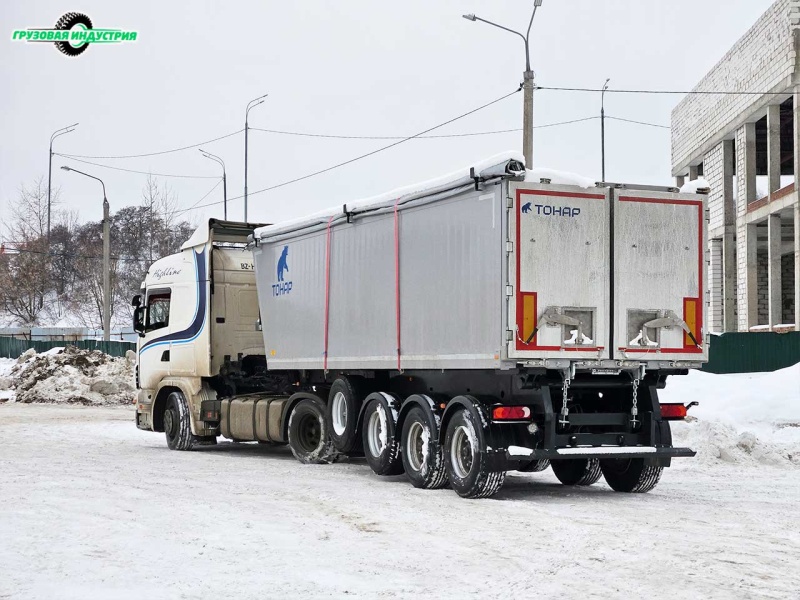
(282, 263)
(526, 208)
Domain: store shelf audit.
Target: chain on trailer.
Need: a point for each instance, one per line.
(569, 375)
(635, 405)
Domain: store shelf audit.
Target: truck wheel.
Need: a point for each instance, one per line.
(577, 471)
(380, 446)
(535, 466)
(308, 433)
(466, 460)
(344, 402)
(423, 458)
(177, 425)
(630, 474)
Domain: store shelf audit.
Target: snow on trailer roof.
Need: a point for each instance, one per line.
(509, 163)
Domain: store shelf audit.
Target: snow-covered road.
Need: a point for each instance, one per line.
(90, 507)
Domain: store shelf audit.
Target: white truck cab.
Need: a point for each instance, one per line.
(197, 319)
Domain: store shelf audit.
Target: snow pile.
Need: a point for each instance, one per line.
(69, 376)
(691, 187)
(748, 418)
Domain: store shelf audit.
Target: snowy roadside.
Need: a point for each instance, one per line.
(68, 376)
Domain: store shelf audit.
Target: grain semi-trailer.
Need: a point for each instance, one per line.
(454, 331)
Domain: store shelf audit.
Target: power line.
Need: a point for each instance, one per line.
(426, 137)
(193, 206)
(381, 149)
(639, 122)
(688, 93)
(87, 162)
(222, 137)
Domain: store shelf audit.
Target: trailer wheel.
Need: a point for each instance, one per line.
(344, 402)
(308, 433)
(177, 425)
(630, 474)
(423, 458)
(577, 471)
(466, 459)
(535, 466)
(381, 448)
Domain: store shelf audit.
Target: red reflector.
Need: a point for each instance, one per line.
(673, 411)
(510, 413)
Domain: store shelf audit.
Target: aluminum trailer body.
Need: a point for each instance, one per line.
(454, 330)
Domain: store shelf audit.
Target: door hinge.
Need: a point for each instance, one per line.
(509, 246)
(509, 202)
(509, 290)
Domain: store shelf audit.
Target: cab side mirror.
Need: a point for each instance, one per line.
(137, 300)
(138, 320)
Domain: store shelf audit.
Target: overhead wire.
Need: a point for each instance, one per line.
(222, 137)
(87, 162)
(682, 92)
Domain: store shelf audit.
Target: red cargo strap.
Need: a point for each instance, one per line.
(397, 278)
(327, 291)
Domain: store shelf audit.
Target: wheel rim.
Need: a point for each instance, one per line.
(170, 421)
(339, 413)
(415, 446)
(308, 433)
(461, 452)
(376, 438)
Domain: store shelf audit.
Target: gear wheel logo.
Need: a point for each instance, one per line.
(70, 21)
(73, 33)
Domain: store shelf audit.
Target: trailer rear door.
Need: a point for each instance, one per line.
(559, 293)
(659, 274)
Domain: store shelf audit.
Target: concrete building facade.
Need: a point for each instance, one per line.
(745, 142)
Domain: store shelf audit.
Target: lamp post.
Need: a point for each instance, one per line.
(603, 130)
(527, 84)
(106, 258)
(224, 180)
(251, 104)
(57, 133)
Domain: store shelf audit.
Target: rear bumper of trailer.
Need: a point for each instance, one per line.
(522, 454)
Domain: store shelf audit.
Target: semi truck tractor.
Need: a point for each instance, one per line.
(488, 321)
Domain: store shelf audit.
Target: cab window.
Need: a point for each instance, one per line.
(158, 309)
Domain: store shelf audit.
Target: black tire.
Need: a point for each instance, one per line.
(577, 471)
(67, 22)
(630, 475)
(381, 447)
(308, 433)
(177, 423)
(423, 458)
(535, 466)
(466, 460)
(344, 404)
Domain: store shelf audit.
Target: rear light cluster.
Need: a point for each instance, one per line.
(673, 411)
(511, 413)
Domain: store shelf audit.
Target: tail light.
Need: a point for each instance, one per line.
(511, 413)
(673, 411)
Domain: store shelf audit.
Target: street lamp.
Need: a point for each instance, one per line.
(253, 103)
(527, 85)
(106, 258)
(224, 179)
(603, 130)
(57, 133)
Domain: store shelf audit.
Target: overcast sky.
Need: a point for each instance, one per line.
(353, 67)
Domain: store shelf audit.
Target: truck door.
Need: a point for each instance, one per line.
(558, 271)
(154, 352)
(659, 276)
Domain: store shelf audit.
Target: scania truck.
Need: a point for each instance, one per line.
(491, 320)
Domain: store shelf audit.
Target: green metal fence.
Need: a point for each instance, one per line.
(13, 347)
(752, 352)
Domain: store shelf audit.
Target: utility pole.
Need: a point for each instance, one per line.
(57, 133)
(527, 84)
(603, 131)
(217, 159)
(251, 104)
(106, 257)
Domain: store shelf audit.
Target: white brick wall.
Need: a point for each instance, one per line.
(741, 233)
(759, 61)
(715, 286)
(712, 171)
